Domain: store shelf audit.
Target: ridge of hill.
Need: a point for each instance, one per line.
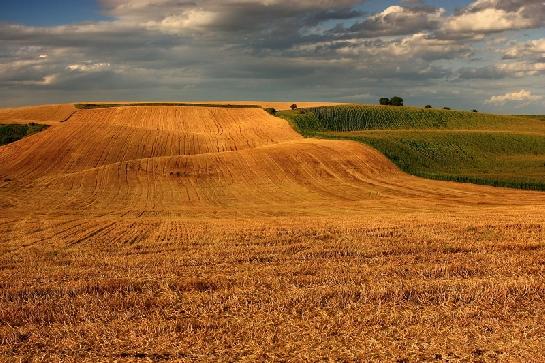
(44, 114)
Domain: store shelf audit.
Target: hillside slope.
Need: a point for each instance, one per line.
(198, 160)
(46, 114)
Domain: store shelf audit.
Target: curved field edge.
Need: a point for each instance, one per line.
(43, 114)
(456, 146)
(14, 132)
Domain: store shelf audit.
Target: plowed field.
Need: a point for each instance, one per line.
(220, 234)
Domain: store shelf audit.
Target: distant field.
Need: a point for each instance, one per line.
(355, 118)
(12, 133)
(535, 117)
(278, 105)
(44, 114)
(450, 145)
(90, 106)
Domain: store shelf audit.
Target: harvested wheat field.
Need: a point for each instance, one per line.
(160, 233)
(46, 114)
(279, 105)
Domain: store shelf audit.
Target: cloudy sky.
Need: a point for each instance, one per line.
(485, 54)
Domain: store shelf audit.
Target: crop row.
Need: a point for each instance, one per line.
(356, 117)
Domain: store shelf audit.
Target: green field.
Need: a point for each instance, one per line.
(13, 132)
(448, 145)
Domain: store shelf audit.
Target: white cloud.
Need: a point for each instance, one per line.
(487, 20)
(416, 46)
(522, 68)
(531, 48)
(399, 20)
(485, 16)
(49, 79)
(522, 96)
(401, 12)
(191, 19)
(88, 67)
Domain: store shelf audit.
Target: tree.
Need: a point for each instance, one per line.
(293, 107)
(428, 106)
(384, 101)
(396, 101)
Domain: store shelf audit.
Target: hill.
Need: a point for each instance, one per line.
(45, 114)
(439, 144)
(188, 233)
(168, 159)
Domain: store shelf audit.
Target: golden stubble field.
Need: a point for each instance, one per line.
(220, 234)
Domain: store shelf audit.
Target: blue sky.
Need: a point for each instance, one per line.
(50, 12)
(484, 54)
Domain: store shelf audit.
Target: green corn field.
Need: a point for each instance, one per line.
(358, 117)
(497, 150)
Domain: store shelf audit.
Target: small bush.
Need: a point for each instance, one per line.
(293, 107)
(474, 110)
(446, 108)
(396, 101)
(271, 110)
(428, 106)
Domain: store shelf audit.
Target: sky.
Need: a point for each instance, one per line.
(466, 54)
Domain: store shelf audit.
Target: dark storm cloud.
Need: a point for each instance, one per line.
(175, 49)
(92, 36)
(480, 73)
